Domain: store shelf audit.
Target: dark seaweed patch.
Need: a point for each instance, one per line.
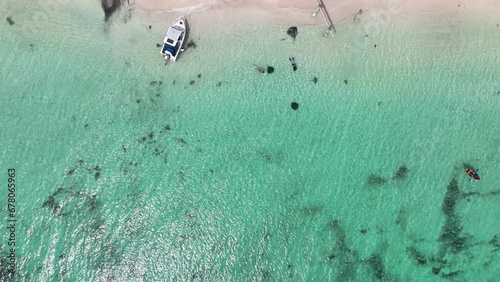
(494, 242)
(376, 180)
(218, 84)
(271, 157)
(345, 258)
(142, 139)
(199, 75)
(416, 255)
(345, 81)
(451, 233)
(192, 82)
(451, 275)
(312, 210)
(165, 128)
(377, 266)
(92, 202)
(315, 80)
(401, 218)
(266, 276)
(436, 270)
(10, 21)
(401, 173)
(65, 201)
(158, 152)
(191, 44)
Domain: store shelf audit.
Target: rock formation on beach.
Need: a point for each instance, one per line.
(110, 7)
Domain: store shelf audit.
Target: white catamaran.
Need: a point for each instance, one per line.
(172, 44)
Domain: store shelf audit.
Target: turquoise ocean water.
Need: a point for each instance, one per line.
(130, 170)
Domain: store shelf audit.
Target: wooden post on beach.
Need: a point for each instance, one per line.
(321, 6)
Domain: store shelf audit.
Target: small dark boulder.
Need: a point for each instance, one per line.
(315, 79)
(293, 32)
(295, 105)
(110, 7)
(158, 45)
(270, 69)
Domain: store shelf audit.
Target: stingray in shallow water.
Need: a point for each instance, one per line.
(293, 32)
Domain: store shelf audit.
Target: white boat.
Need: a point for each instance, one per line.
(172, 44)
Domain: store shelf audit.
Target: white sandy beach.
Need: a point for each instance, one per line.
(299, 11)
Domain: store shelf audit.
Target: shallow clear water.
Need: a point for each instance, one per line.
(128, 171)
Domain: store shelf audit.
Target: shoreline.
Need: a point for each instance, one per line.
(299, 12)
